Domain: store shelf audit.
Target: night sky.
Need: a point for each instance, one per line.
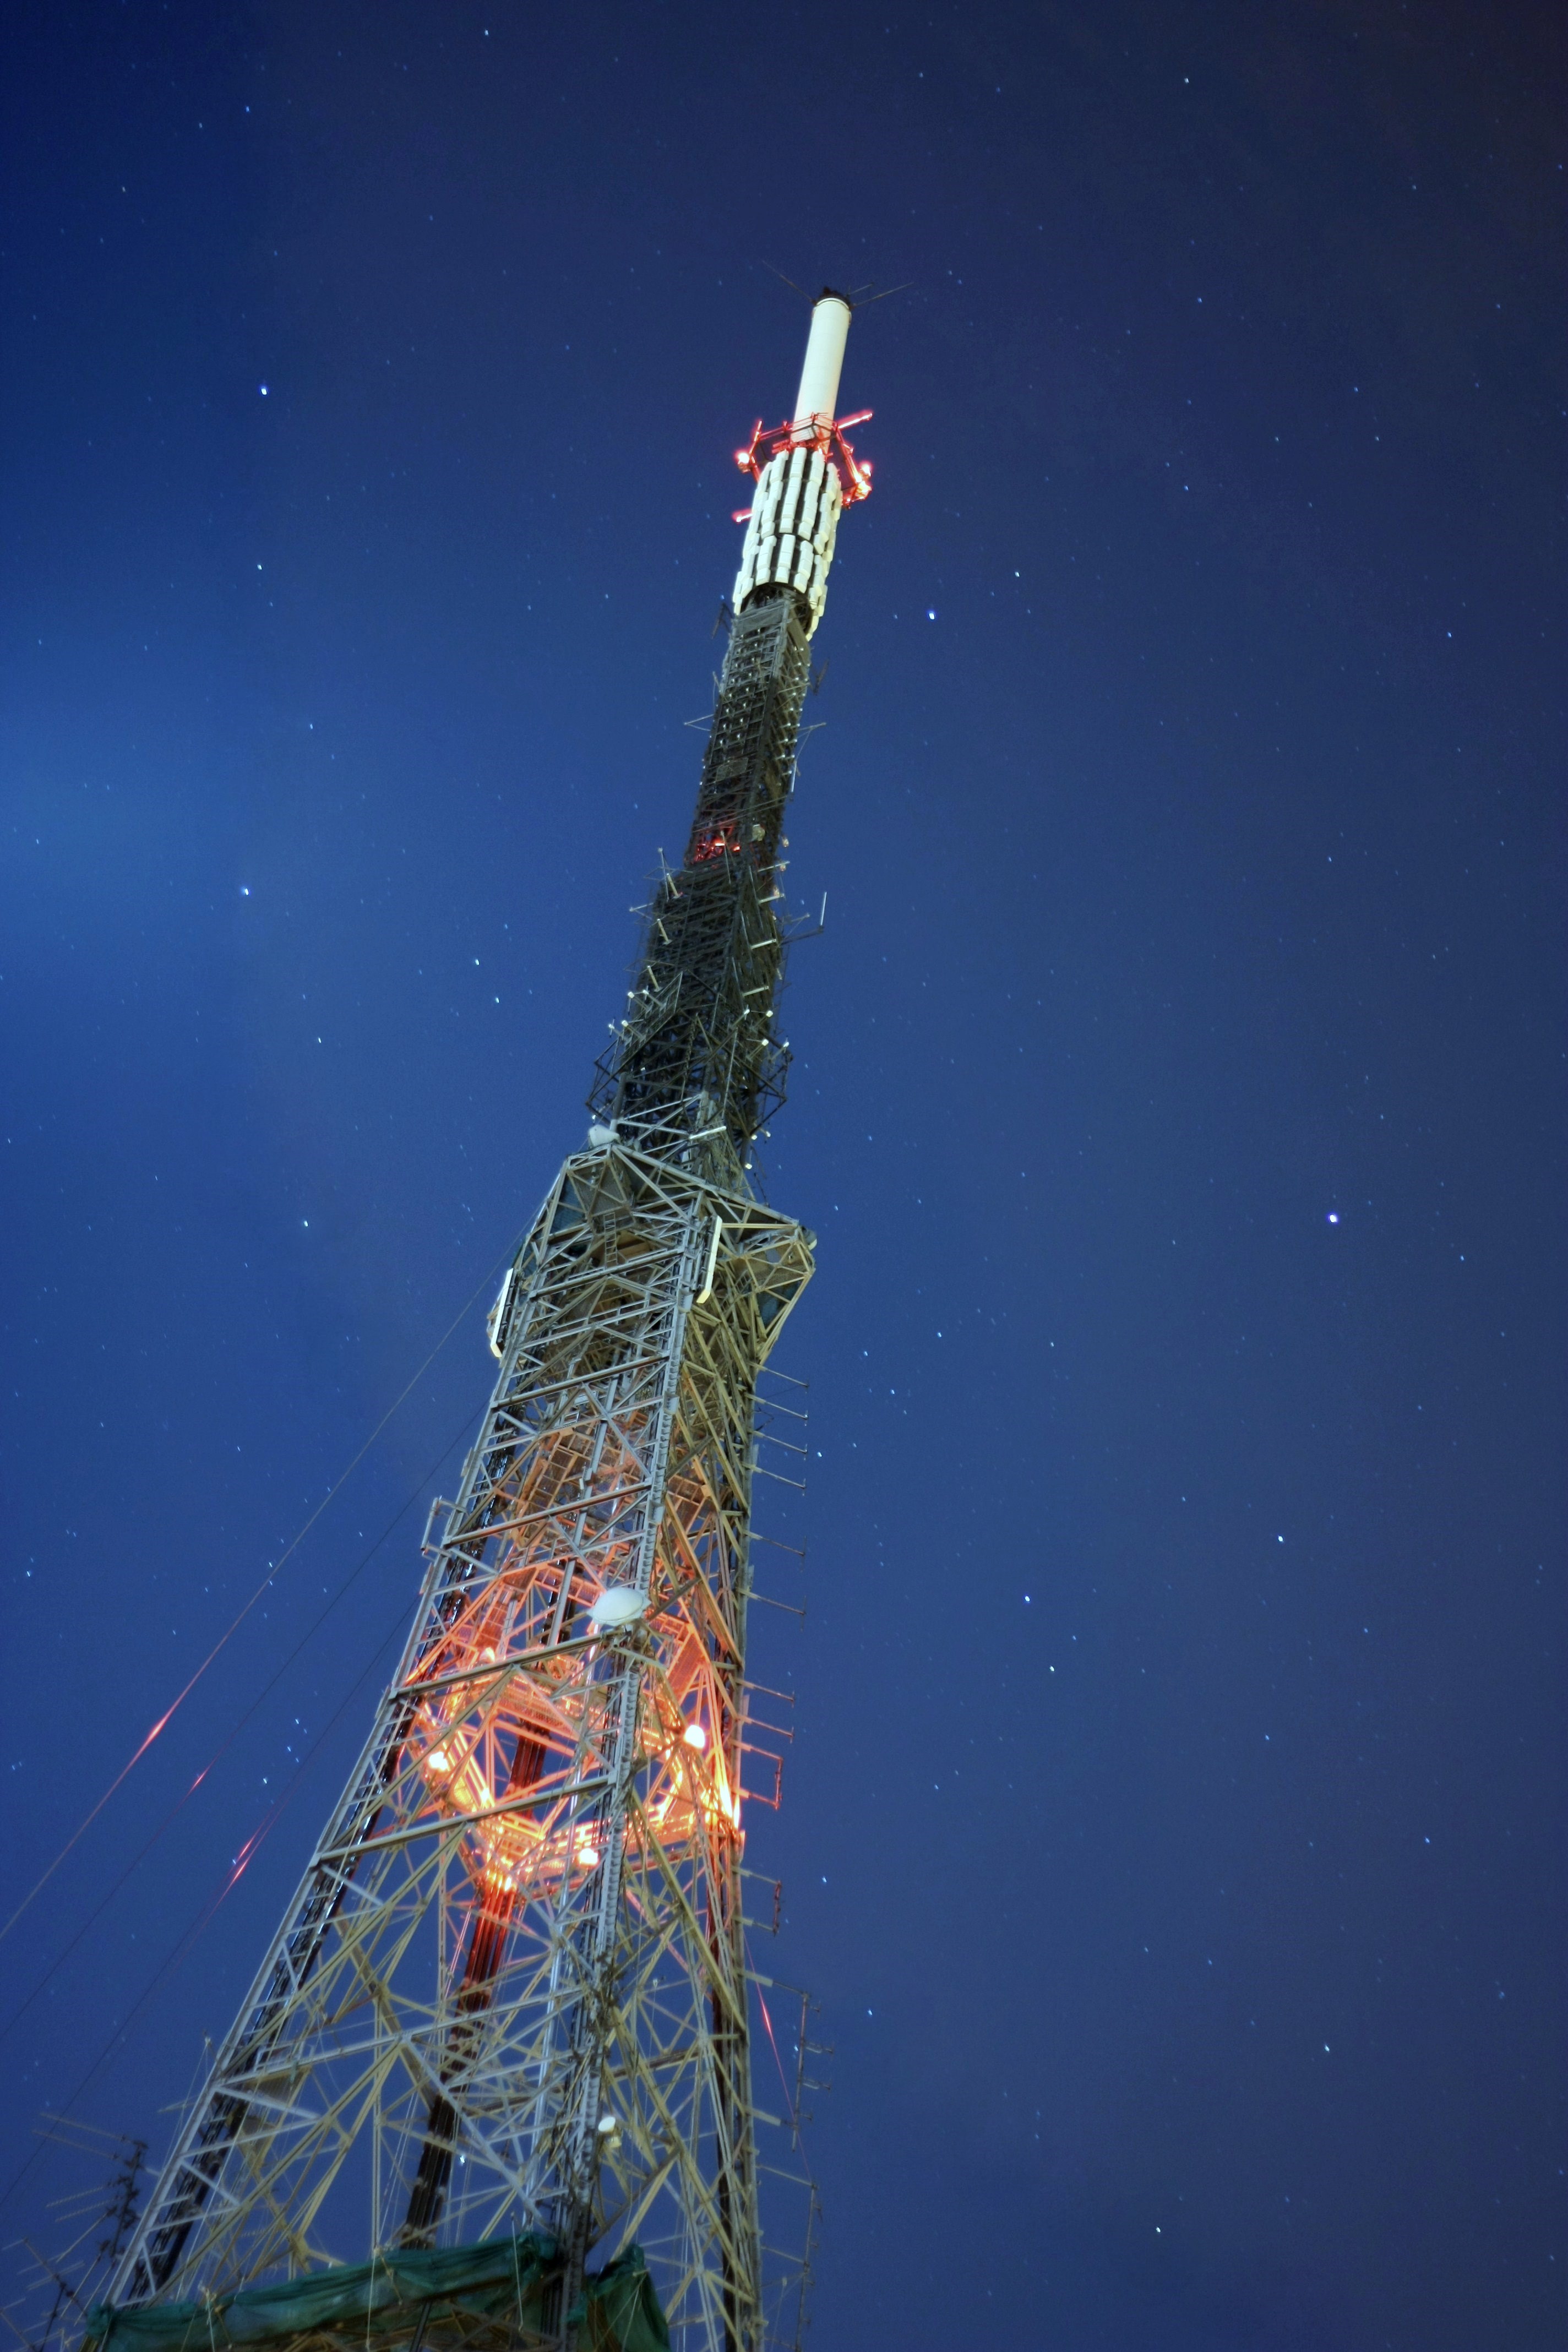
(1173, 1831)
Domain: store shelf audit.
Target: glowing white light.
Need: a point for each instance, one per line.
(439, 1760)
(695, 1737)
(1333, 1216)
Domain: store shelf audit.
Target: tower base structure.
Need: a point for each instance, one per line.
(505, 2296)
(554, 1783)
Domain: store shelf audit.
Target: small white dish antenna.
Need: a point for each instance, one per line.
(599, 1136)
(618, 1604)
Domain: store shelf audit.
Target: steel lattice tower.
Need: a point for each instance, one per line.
(509, 2005)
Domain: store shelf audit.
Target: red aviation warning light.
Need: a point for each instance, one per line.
(823, 433)
(813, 425)
(806, 473)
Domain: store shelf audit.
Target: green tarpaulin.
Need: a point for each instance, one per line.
(505, 2279)
(619, 2311)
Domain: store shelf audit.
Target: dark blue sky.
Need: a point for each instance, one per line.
(1174, 1829)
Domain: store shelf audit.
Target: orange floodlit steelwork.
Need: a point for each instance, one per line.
(490, 1693)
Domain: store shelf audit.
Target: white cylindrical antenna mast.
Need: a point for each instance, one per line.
(818, 390)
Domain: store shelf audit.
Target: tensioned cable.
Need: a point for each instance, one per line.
(222, 1642)
(221, 1750)
(237, 1868)
(778, 2060)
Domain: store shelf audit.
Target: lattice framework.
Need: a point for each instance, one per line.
(564, 1799)
(511, 1993)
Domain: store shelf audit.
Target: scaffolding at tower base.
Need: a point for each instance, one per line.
(493, 2297)
(510, 2002)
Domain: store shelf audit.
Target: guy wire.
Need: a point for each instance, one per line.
(129, 1767)
(236, 1870)
(235, 1729)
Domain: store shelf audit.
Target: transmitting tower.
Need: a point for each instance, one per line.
(497, 2057)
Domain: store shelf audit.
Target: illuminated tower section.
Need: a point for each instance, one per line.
(501, 2046)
